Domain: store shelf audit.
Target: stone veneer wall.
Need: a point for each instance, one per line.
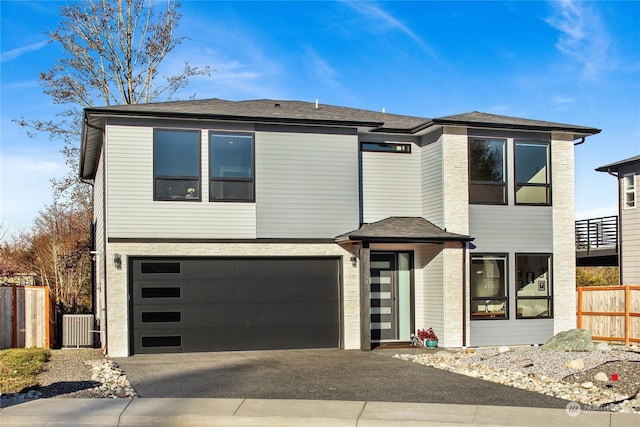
(456, 220)
(564, 252)
(117, 281)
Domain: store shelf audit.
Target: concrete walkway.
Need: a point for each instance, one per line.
(253, 412)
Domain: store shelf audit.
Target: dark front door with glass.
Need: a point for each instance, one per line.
(391, 307)
(383, 297)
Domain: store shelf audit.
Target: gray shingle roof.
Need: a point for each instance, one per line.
(270, 110)
(402, 229)
(613, 167)
(478, 119)
(296, 112)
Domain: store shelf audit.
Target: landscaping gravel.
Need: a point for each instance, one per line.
(608, 378)
(77, 373)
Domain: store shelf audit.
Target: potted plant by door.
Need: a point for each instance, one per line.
(429, 337)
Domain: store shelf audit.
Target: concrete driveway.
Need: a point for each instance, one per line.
(315, 374)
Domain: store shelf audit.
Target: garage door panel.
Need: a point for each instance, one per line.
(235, 304)
(229, 339)
(231, 315)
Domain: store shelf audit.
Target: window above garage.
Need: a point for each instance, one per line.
(176, 164)
(231, 167)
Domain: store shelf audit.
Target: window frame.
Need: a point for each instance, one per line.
(629, 189)
(516, 184)
(549, 285)
(405, 147)
(213, 180)
(504, 257)
(503, 183)
(196, 178)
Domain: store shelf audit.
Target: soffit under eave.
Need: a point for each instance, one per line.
(91, 145)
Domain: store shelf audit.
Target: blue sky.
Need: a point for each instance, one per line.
(562, 61)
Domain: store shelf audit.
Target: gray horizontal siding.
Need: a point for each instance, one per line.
(431, 176)
(630, 228)
(511, 228)
(132, 212)
(306, 185)
(510, 332)
(390, 185)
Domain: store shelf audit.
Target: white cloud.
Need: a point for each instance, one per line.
(562, 102)
(15, 53)
(388, 21)
(583, 36)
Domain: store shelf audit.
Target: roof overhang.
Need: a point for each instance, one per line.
(614, 167)
(401, 230)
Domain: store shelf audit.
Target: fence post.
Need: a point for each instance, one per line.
(627, 315)
(579, 307)
(15, 316)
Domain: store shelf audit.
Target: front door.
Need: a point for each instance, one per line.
(391, 296)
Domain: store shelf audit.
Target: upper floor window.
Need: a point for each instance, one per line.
(231, 167)
(487, 177)
(629, 191)
(533, 177)
(489, 299)
(533, 288)
(176, 164)
(387, 147)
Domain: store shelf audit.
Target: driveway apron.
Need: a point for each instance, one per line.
(315, 374)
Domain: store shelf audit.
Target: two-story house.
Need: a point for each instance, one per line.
(627, 172)
(223, 225)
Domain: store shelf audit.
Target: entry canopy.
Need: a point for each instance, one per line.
(402, 230)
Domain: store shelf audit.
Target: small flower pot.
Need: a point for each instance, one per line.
(430, 343)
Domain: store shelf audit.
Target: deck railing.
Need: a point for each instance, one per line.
(597, 233)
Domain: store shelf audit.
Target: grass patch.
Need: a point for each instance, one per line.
(19, 368)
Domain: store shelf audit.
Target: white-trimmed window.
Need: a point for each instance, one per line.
(629, 191)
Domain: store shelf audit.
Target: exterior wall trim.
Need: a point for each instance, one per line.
(177, 240)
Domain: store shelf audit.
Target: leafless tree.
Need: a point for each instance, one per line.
(112, 53)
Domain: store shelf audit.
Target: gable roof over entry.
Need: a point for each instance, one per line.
(402, 230)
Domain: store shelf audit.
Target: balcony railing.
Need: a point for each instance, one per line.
(597, 234)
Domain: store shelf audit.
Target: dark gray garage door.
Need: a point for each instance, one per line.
(186, 305)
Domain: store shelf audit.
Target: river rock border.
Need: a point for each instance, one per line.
(586, 393)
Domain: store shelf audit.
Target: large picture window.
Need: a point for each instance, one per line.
(231, 167)
(176, 164)
(533, 286)
(487, 177)
(533, 177)
(629, 191)
(489, 299)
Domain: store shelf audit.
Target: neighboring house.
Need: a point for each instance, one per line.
(627, 172)
(223, 225)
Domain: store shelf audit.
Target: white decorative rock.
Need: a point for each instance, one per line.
(575, 364)
(601, 376)
(504, 349)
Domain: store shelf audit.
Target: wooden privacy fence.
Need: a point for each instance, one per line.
(610, 313)
(27, 317)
